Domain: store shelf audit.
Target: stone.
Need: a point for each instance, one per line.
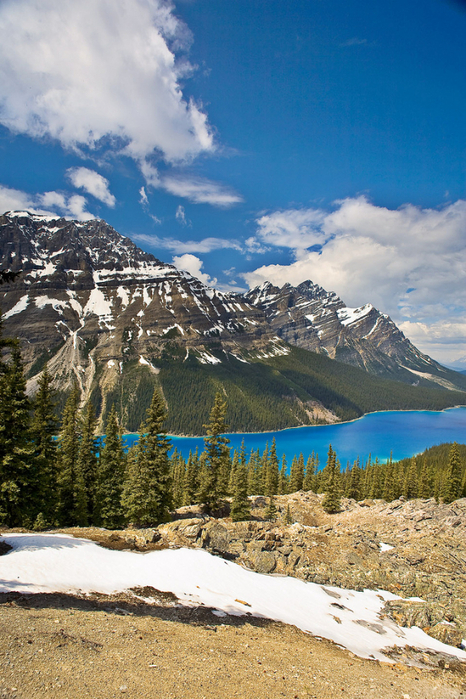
(446, 632)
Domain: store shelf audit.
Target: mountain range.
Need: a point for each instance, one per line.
(99, 310)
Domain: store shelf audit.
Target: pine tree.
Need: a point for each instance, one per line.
(147, 491)
(211, 486)
(378, 481)
(452, 486)
(240, 506)
(283, 482)
(178, 476)
(331, 502)
(354, 482)
(44, 428)
(309, 478)
(234, 466)
(68, 444)
(191, 478)
(16, 446)
(288, 516)
(389, 482)
(263, 464)
(110, 476)
(271, 476)
(86, 468)
(297, 474)
(425, 484)
(410, 482)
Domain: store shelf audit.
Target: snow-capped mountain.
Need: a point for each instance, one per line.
(98, 309)
(317, 320)
(85, 289)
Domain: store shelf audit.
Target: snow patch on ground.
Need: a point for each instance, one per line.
(60, 563)
(385, 547)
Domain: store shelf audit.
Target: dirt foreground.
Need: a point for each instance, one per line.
(55, 645)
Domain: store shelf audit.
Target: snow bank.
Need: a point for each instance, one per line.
(60, 563)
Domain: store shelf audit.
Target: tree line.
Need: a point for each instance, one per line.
(59, 473)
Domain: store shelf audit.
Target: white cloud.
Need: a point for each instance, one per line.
(92, 183)
(295, 228)
(183, 246)
(193, 265)
(409, 262)
(181, 216)
(71, 206)
(200, 191)
(143, 200)
(100, 74)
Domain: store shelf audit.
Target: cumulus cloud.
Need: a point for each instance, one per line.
(295, 228)
(193, 265)
(92, 183)
(71, 206)
(184, 246)
(100, 74)
(409, 262)
(200, 191)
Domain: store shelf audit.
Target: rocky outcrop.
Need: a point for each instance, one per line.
(413, 548)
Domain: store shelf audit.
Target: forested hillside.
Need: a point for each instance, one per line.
(283, 392)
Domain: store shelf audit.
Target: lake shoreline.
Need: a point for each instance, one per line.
(300, 427)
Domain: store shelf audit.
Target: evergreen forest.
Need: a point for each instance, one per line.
(60, 473)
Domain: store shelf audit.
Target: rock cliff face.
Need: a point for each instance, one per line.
(101, 311)
(317, 320)
(88, 296)
(413, 548)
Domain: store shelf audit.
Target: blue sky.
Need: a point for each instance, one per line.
(253, 140)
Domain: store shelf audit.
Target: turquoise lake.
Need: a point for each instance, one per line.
(405, 433)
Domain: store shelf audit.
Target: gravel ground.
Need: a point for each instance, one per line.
(55, 645)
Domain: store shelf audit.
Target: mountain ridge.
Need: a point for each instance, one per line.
(101, 311)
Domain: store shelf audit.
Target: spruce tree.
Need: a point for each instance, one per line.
(389, 483)
(16, 446)
(177, 476)
(191, 478)
(68, 450)
(211, 487)
(263, 464)
(44, 428)
(240, 506)
(331, 502)
(283, 482)
(425, 484)
(354, 482)
(147, 491)
(297, 474)
(86, 468)
(309, 478)
(410, 482)
(271, 476)
(234, 466)
(452, 485)
(110, 476)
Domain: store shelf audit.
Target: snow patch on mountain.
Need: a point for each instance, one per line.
(353, 315)
(19, 307)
